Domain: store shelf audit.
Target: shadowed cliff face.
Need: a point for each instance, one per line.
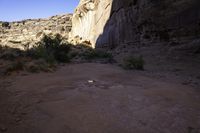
(115, 22)
(134, 21)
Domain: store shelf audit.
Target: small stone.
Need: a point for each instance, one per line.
(90, 81)
(3, 128)
(18, 119)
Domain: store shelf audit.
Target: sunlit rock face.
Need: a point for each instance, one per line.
(89, 19)
(112, 22)
(29, 32)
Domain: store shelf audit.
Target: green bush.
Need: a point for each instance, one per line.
(133, 63)
(51, 49)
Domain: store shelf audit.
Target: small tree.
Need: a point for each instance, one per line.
(5, 24)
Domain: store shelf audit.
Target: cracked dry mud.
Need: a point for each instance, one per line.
(117, 101)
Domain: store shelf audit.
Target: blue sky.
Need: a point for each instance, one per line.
(15, 10)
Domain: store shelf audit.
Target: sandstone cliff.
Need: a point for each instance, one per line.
(89, 19)
(18, 34)
(114, 22)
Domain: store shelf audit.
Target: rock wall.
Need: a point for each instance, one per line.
(114, 22)
(89, 19)
(18, 34)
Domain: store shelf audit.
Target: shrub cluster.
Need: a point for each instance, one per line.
(133, 63)
(50, 51)
(96, 54)
(5, 24)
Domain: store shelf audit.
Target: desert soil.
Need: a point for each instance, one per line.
(98, 98)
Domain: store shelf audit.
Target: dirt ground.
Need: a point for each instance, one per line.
(98, 98)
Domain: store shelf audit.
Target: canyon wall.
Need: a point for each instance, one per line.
(19, 34)
(113, 22)
(89, 19)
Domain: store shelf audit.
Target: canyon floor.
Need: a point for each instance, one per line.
(92, 92)
(99, 98)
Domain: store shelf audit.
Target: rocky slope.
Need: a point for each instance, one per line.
(114, 22)
(28, 32)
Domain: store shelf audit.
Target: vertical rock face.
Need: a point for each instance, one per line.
(89, 19)
(114, 22)
(18, 34)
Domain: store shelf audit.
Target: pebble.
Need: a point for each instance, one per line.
(18, 119)
(90, 81)
(3, 128)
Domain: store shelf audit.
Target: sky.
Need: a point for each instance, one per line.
(16, 10)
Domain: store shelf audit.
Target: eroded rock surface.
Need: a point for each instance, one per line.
(28, 32)
(114, 22)
(89, 19)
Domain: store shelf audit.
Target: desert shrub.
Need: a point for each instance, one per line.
(5, 24)
(51, 49)
(133, 63)
(33, 68)
(39, 65)
(73, 54)
(81, 52)
(14, 67)
(10, 53)
(61, 53)
(1, 49)
(97, 54)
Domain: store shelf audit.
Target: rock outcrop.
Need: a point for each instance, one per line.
(113, 22)
(28, 32)
(89, 19)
